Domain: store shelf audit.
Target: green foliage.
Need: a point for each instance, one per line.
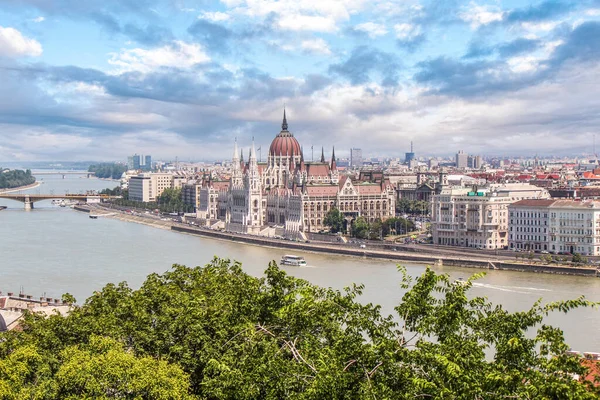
(405, 206)
(397, 226)
(334, 220)
(169, 201)
(215, 332)
(579, 259)
(15, 178)
(360, 228)
(116, 191)
(108, 170)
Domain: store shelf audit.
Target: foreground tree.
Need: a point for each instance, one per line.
(334, 220)
(215, 332)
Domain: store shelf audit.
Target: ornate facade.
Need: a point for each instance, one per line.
(289, 193)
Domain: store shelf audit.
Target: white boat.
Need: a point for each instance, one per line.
(294, 261)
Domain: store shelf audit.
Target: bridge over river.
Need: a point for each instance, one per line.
(63, 173)
(29, 199)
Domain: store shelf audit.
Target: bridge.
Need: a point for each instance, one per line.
(29, 199)
(63, 173)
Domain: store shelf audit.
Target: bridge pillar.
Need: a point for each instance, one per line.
(28, 203)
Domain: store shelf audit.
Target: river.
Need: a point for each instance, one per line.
(52, 250)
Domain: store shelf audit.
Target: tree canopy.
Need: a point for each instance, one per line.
(215, 332)
(334, 219)
(12, 178)
(108, 170)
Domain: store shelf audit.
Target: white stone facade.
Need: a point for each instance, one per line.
(477, 217)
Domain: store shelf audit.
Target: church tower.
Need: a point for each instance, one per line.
(253, 193)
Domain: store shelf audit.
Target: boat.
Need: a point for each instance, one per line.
(294, 261)
(2, 208)
(93, 216)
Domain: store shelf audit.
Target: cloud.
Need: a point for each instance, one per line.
(292, 15)
(39, 19)
(410, 36)
(316, 46)
(214, 37)
(546, 10)
(14, 44)
(216, 16)
(365, 60)
(477, 15)
(179, 54)
(504, 50)
(372, 29)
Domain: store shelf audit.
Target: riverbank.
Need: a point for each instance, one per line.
(18, 189)
(483, 262)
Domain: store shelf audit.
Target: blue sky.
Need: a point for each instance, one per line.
(101, 79)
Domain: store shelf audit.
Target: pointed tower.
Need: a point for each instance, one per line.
(254, 193)
(236, 173)
(284, 125)
(322, 155)
(333, 163)
(334, 174)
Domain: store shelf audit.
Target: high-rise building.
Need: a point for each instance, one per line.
(462, 160)
(137, 161)
(356, 159)
(408, 157)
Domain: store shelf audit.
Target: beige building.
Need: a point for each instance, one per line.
(147, 187)
(477, 217)
(556, 226)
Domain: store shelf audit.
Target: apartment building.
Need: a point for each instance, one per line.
(477, 217)
(147, 187)
(556, 226)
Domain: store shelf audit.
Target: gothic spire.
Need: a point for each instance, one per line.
(236, 156)
(284, 125)
(322, 155)
(242, 156)
(333, 163)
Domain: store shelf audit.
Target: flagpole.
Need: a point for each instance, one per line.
(312, 153)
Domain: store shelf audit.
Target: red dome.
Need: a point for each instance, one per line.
(284, 144)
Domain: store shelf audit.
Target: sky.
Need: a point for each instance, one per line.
(103, 79)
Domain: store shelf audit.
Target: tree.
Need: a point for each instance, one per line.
(360, 228)
(334, 219)
(216, 332)
(579, 259)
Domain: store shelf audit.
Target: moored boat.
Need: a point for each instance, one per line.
(295, 261)
(2, 208)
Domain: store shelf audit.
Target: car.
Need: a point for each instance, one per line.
(544, 252)
(362, 246)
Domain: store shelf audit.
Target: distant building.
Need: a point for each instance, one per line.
(356, 158)
(408, 157)
(462, 160)
(137, 161)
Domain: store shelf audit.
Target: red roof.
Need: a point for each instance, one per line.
(284, 144)
(322, 190)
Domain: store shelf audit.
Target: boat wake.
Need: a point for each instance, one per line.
(512, 289)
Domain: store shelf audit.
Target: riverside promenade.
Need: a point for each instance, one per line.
(434, 257)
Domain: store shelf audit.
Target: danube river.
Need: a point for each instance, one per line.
(53, 250)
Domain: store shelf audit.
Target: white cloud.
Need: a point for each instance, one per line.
(477, 15)
(14, 44)
(318, 46)
(178, 54)
(406, 31)
(372, 29)
(214, 16)
(593, 12)
(39, 19)
(306, 15)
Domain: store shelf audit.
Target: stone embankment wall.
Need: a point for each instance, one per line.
(396, 256)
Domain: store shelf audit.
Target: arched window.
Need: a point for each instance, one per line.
(255, 203)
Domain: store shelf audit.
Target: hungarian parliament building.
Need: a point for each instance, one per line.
(289, 194)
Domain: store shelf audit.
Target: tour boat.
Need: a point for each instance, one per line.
(295, 261)
(2, 208)
(93, 216)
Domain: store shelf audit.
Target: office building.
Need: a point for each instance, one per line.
(356, 159)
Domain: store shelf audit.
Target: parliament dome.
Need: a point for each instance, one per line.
(284, 144)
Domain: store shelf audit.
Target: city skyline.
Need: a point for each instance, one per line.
(101, 79)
